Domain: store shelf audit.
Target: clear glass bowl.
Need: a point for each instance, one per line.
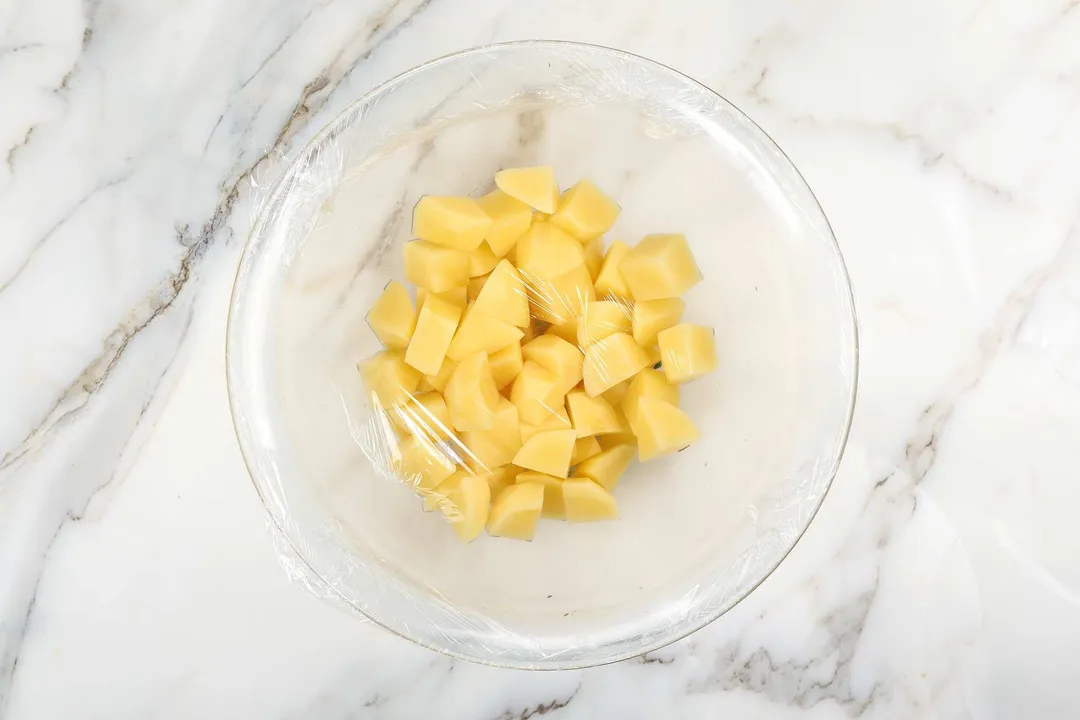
(699, 529)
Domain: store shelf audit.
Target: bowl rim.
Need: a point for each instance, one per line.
(272, 199)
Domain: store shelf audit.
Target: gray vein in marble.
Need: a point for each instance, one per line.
(540, 709)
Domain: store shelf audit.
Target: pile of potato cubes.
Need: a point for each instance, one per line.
(529, 377)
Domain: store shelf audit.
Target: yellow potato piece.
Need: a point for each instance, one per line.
(436, 497)
(501, 478)
(422, 464)
(471, 396)
(458, 296)
(660, 266)
(392, 318)
(536, 393)
(566, 329)
(606, 468)
(547, 452)
(434, 331)
(422, 414)
(562, 300)
(601, 319)
(687, 352)
(652, 316)
(553, 502)
(482, 260)
(515, 511)
(504, 297)
(585, 211)
(584, 448)
(610, 284)
(594, 256)
(558, 420)
(610, 361)
(434, 267)
(453, 222)
(534, 186)
(653, 353)
(661, 428)
(489, 449)
(558, 356)
(389, 377)
(467, 507)
(546, 252)
(648, 383)
(615, 394)
(591, 415)
(505, 365)
(585, 501)
(476, 284)
(437, 381)
(510, 219)
(481, 333)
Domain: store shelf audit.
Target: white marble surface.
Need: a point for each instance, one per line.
(941, 578)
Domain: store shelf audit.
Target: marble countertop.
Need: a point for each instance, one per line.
(941, 578)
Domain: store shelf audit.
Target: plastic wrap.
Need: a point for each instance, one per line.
(334, 458)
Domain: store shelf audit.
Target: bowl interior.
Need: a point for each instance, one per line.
(699, 529)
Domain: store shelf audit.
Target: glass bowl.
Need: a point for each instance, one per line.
(699, 529)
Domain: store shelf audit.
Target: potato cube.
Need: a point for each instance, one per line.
(661, 428)
(606, 468)
(591, 415)
(660, 266)
(612, 360)
(558, 420)
(471, 396)
(566, 329)
(515, 511)
(610, 284)
(392, 318)
(481, 333)
(476, 284)
(653, 353)
(687, 351)
(594, 256)
(547, 452)
(434, 330)
(504, 297)
(553, 502)
(435, 267)
(423, 464)
(510, 219)
(501, 478)
(558, 356)
(615, 394)
(652, 316)
(534, 186)
(648, 383)
(453, 222)
(585, 501)
(585, 211)
(505, 365)
(584, 448)
(458, 296)
(467, 507)
(562, 300)
(536, 393)
(482, 260)
(546, 252)
(389, 377)
(603, 318)
(488, 449)
(436, 497)
(625, 436)
(438, 380)
(422, 414)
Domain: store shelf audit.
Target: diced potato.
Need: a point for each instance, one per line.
(616, 439)
(591, 415)
(438, 380)
(505, 365)
(458, 296)
(687, 351)
(476, 284)
(389, 377)
(471, 396)
(652, 316)
(594, 256)
(661, 428)
(434, 330)
(453, 222)
(392, 318)
(536, 393)
(435, 267)
(435, 497)
(660, 266)
(612, 360)
(562, 300)
(481, 333)
(606, 468)
(467, 507)
(422, 414)
(648, 383)
(501, 478)
(566, 329)
(653, 353)
(603, 318)
(488, 449)
(584, 448)
(548, 452)
(534, 186)
(615, 394)
(585, 211)
(610, 284)
(558, 356)
(482, 260)
(553, 501)
(504, 297)
(545, 252)
(585, 501)
(515, 511)
(510, 219)
(422, 464)
(558, 420)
